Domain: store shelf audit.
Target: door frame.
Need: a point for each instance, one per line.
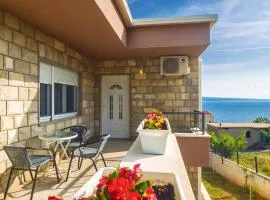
(128, 101)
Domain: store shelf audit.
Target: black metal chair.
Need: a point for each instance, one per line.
(81, 131)
(21, 159)
(84, 152)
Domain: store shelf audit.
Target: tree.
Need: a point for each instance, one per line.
(262, 120)
(265, 136)
(226, 145)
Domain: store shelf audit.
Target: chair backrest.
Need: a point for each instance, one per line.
(18, 156)
(103, 141)
(81, 130)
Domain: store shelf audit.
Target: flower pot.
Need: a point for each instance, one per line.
(153, 141)
(158, 178)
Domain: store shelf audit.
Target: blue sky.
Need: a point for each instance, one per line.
(237, 63)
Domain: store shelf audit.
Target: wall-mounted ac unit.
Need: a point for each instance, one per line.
(174, 66)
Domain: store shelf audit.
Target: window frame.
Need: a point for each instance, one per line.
(53, 116)
(248, 134)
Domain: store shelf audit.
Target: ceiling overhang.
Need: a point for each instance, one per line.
(104, 29)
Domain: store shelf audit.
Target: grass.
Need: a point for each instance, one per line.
(247, 159)
(220, 189)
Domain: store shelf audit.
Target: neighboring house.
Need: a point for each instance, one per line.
(88, 62)
(209, 118)
(251, 130)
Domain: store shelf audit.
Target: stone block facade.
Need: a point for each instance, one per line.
(148, 89)
(22, 46)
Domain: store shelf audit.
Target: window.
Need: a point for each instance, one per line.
(71, 100)
(45, 99)
(111, 107)
(120, 107)
(58, 92)
(58, 98)
(248, 134)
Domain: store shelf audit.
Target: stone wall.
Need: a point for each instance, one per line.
(21, 48)
(241, 175)
(194, 175)
(151, 90)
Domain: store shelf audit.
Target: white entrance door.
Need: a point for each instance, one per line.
(115, 105)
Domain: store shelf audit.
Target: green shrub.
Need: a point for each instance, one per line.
(266, 168)
(261, 120)
(265, 136)
(227, 145)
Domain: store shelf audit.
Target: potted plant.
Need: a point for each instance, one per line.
(124, 183)
(153, 132)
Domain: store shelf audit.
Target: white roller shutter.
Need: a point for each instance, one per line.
(65, 76)
(45, 73)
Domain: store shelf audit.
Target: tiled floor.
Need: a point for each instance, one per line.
(47, 184)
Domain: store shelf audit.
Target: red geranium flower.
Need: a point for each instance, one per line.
(132, 196)
(119, 186)
(103, 181)
(150, 194)
(137, 172)
(54, 198)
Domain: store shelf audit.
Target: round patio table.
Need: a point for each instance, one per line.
(61, 138)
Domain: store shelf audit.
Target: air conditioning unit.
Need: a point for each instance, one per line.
(174, 66)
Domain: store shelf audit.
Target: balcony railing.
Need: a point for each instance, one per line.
(186, 122)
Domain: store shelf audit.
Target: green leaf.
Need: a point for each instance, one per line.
(141, 187)
(112, 175)
(115, 174)
(106, 193)
(149, 183)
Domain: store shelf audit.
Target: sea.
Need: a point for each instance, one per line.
(236, 109)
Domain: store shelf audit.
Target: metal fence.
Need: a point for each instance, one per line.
(254, 160)
(186, 122)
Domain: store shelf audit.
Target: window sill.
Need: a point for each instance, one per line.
(54, 121)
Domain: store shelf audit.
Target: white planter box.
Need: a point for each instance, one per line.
(153, 141)
(157, 178)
